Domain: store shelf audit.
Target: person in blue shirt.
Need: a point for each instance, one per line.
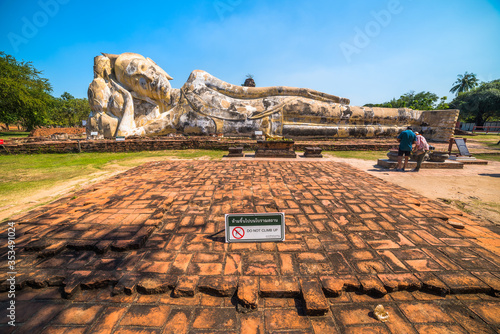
(406, 140)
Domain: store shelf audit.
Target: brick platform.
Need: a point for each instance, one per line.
(141, 252)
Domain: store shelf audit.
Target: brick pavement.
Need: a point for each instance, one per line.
(140, 253)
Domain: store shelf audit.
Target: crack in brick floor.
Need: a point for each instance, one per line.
(154, 230)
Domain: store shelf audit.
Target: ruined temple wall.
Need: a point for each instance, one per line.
(47, 132)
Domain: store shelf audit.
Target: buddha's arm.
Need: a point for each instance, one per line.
(127, 122)
(200, 77)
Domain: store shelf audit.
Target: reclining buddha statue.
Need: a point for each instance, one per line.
(132, 96)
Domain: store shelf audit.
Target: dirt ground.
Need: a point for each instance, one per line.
(474, 189)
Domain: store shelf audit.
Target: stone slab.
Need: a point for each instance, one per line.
(468, 160)
(448, 164)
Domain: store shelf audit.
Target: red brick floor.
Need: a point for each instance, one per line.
(142, 253)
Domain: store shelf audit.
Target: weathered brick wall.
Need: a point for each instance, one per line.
(11, 127)
(47, 132)
(154, 144)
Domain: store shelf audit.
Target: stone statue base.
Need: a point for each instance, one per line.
(275, 149)
(313, 152)
(448, 164)
(236, 152)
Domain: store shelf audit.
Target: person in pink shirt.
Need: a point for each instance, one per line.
(420, 150)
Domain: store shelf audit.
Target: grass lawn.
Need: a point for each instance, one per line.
(488, 139)
(25, 174)
(491, 157)
(13, 134)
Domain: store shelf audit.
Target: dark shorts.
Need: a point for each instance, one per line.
(401, 153)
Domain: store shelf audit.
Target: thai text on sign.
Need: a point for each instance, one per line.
(255, 227)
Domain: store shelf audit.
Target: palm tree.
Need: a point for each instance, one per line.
(464, 83)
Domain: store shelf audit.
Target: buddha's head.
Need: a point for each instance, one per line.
(142, 76)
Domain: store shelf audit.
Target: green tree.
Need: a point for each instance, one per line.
(442, 104)
(69, 111)
(479, 104)
(418, 101)
(24, 95)
(464, 83)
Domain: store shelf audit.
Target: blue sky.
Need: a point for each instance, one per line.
(368, 51)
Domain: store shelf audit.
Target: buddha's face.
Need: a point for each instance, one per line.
(102, 67)
(143, 76)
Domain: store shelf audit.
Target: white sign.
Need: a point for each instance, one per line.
(120, 138)
(94, 133)
(258, 133)
(255, 227)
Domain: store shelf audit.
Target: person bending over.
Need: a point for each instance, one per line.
(421, 148)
